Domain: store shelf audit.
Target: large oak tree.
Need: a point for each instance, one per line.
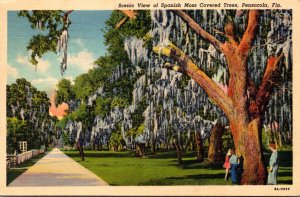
(244, 104)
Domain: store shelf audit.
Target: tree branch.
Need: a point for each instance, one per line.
(66, 14)
(199, 30)
(124, 20)
(266, 86)
(130, 14)
(230, 34)
(209, 86)
(249, 35)
(174, 67)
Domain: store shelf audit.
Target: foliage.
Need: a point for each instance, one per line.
(265, 139)
(83, 86)
(27, 116)
(227, 140)
(135, 131)
(114, 38)
(62, 123)
(52, 21)
(116, 141)
(65, 91)
(16, 131)
(102, 106)
(67, 139)
(88, 83)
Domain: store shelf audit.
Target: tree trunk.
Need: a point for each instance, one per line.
(247, 141)
(93, 145)
(279, 139)
(115, 147)
(137, 150)
(81, 153)
(275, 139)
(140, 149)
(215, 144)
(199, 146)
(46, 145)
(179, 152)
(153, 145)
(284, 139)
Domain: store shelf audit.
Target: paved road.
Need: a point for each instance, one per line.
(57, 169)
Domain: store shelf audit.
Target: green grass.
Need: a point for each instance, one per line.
(13, 173)
(122, 168)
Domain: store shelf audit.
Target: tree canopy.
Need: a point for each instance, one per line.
(28, 116)
(169, 75)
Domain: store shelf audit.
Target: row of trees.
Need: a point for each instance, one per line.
(27, 117)
(96, 101)
(182, 80)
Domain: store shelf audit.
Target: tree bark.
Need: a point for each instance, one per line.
(153, 145)
(248, 147)
(129, 14)
(139, 149)
(279, 139)
(215, 144)
(178, 151)
(93, 145)
(80, 148)
(199, 146)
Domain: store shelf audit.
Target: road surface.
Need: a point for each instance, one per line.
(57, 169)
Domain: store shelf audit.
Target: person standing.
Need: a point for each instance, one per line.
(234, 167)
(227, 164)
(272, 177)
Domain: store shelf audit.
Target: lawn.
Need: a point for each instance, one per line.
(122, 168)
(13, 173)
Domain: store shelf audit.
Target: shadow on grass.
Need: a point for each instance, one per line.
(99, 154)
(201, 176)
(13, 173)
(194, 164)
(282, 174)
(107, 154)
(203, 179)
(169, 154)
(282, 182)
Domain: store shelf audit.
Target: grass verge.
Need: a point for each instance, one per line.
(122, 168)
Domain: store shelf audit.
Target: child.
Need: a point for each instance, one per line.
(227, 164)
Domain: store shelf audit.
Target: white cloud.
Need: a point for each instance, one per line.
(23, 60)
(71, 79)
(43, 65)
(47, 84)
(79, 42)
(49, 81)
(12, 72)
(83, 60)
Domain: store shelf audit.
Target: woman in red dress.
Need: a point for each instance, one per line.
(227, 164)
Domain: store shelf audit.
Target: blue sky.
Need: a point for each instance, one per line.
(85, 45)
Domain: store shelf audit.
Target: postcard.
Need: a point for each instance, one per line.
(149, 98)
